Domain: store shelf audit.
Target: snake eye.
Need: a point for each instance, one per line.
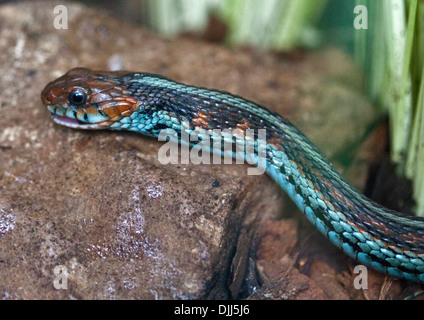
(77, 97)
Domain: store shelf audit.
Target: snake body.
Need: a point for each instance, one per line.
(375, 236)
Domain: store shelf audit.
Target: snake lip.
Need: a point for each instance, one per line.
(68, 122)
(61, 116)
(74, 123)
(77, 124)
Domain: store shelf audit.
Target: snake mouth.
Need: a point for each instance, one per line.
(70, 122)
(72, 119)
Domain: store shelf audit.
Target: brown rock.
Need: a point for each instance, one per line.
(276, 261)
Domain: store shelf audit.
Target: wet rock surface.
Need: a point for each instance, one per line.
(101, 206)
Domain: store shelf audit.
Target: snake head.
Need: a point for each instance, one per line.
(86, 99)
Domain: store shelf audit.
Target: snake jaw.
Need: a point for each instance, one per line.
(76, 124)
(91, 117)
(78, 118)
(68, 122)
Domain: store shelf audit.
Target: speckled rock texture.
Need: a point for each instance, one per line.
(100, 205)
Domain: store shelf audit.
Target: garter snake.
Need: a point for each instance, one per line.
(383, 239)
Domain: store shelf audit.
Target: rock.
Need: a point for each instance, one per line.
(99, 206)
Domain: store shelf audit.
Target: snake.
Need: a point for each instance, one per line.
(377, 237)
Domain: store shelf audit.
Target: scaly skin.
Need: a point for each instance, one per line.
(375, 236)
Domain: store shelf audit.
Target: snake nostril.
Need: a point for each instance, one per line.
(45, 99)
(48, 97)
